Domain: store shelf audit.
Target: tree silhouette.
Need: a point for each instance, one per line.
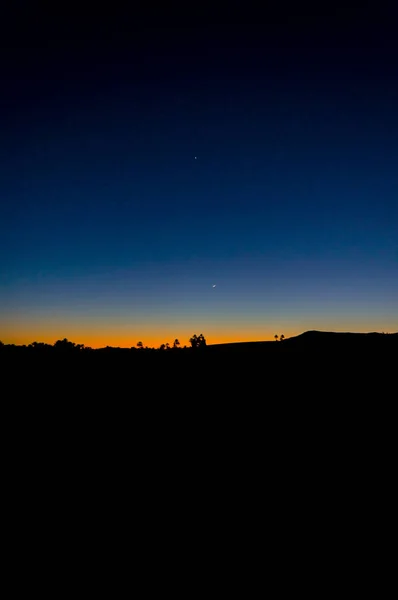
(65, 345)
(162, 347)
(197, 341)
(201, 341)
(176, 343)
(282, 337)
(194, 341)
(276, 337)
(140, 345)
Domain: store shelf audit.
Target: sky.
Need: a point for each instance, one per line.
(143, 163)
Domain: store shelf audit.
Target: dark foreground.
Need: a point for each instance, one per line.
(318, 366)
(300, 431)
(266, 399)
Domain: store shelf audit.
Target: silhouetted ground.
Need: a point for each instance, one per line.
(299, 429)
(312, 365)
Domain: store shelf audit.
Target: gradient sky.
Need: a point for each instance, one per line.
(112, 232)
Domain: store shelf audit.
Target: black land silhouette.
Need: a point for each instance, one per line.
(312, 364)
(302, 409)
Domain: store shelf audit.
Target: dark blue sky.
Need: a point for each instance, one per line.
(112, 231)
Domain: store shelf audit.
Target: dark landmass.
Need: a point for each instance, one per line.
(307, 340)
(313, 340)
(303, 411)
(312, 363)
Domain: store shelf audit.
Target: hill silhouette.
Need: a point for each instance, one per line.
(313, 340)
(308, 340)
(311, 359)
(295, 402)
(343, 337)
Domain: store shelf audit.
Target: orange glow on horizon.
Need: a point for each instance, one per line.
(21, 334)
(101, 341)
(99, 334)
(117, 341)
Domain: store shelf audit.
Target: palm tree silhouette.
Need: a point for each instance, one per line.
(276, 337)
(282, 337)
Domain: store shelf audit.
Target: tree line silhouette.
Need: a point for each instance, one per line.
(66, 346)
(328, 341)
(196, 342)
